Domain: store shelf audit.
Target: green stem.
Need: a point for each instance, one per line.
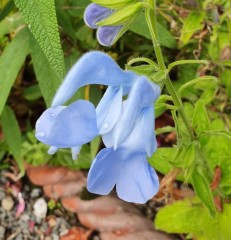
(151, 20)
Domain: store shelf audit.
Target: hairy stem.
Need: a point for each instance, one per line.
(151, 20)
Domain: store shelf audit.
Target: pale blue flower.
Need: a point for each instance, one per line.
(126, 126)
(123, 163)
(65, 127)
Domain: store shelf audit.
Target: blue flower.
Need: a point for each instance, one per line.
(126, 126)
(123, 163)
(76, 124)
(95, 13)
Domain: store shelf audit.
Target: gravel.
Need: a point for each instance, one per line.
(46, 224)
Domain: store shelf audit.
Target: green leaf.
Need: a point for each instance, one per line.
(121, 16)
(162, 159)
(32, 93)
(7, 9)
(12, 135)
(217, 151)
(191, 25)
(200, 119)
(201, 186)
(113, 4)
(11, 62)
(140, 27)
(41, 19)
(65, 21)
(188, 216)
(47, 77)
(181, 217)
(10, 24)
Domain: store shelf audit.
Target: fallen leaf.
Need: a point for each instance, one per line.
(64, 189)
(104, 204)
(120, 222)
(47, 175)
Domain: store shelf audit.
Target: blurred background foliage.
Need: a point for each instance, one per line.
(36, 53)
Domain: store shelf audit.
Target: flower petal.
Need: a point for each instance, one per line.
(95, 13)
(75, 152)
(107, 35)
(142, 95)
(104, 171)
(138, 181)
(109, 109)
(142, 137)
(92, 68)
(75, 125)
(52, 150)
(46, 121)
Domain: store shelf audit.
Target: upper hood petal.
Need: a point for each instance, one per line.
(92, 68)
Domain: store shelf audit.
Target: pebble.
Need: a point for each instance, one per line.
(35, 211)
(64, 232)
(40, 208)
(7, 203)
(25, 218)
(55, 237)
(2, 232)
(2, 194)
(35, 193)
(19, 237)
(52, 222)
(48, 238)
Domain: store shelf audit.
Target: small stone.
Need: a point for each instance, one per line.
(35, 192)
(25, 218)
(64, 232)
(52, 222)
(2, 232)
(55, 237)
(48, 238)
(7, 203)
(19, 237)
(40, 208)
(2, 194)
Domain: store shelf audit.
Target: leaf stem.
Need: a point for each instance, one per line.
(150, 14)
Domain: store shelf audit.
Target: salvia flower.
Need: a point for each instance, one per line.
(126, 126)
(123, 163)
(113, 22)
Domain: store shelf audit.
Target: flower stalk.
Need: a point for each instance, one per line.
(150, 14)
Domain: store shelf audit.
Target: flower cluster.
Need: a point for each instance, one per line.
(126, 126)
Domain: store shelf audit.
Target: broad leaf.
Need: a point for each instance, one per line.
(47, 77)
(41, 19)
(189, 216)
(162, 159)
